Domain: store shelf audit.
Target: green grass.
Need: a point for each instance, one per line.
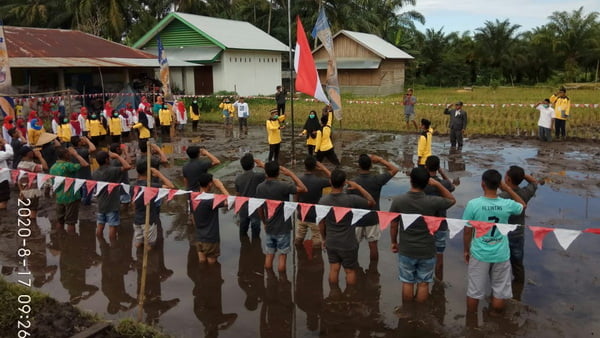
(491, 121)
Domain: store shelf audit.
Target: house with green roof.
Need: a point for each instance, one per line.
(229, 55)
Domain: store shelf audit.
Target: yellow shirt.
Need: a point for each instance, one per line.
(102, 129)
(144, 132)
(562, 106)
(226, 106)
(33, 135)
(64, 132)
(95, 127)
(323, 142)
(165, 117)
(310, 141)
(194, 117)
(424, 146)
(115, 126)
(273, 132)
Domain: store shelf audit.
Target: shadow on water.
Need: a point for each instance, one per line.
(237, 298)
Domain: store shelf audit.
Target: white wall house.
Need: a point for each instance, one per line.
(229, 55)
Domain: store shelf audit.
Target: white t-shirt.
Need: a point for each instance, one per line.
(242, 109)
(546, 116)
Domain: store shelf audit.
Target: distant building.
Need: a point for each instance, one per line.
(367, 64)
(231, 55)
(43, 60)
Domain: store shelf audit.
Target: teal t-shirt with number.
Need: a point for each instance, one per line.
(493, 246)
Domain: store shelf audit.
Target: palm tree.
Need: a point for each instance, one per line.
(494, 42)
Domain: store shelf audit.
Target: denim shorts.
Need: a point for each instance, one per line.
(440, 240)
(110, 218)
(276, 243)
(416, 270)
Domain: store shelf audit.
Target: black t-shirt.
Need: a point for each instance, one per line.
(16, 145)
(276, 190)
(433, 191)
(124, 174)
(526, 194)
(85, 172)
(108, 202)
(415, 241)
(193, 169)
(207, 222)
(341, 236)
(140, 208)
(315, 185)
(372, 183)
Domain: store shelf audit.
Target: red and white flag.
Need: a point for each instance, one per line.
(307, 78)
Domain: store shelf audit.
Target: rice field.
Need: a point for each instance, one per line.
(386, 114)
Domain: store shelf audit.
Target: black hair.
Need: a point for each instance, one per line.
(547, 100)
(338, 178)
(310, 163)
(205, 179)
(324, 120)
(364, 162)
(114, 147)
(142, 167)
(193, 152)
(102, 157)
(62, 153)
(311, 125)
(426, 122)
(12, 132)
(143, 145)
(272, 169)
(419, 177)
(491, 178)
(143, 119)
(75, 140)
(516, 174)
(432, 163)
(247, 161)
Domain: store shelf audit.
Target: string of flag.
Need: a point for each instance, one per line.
(565, 237)
(367, 102)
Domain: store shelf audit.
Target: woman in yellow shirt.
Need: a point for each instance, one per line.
(324, 144)
(311, 126)
(424, 145)
(194, 114)
(142, 127)
(165, 115)
(95, 129)
(64, 131)
(116, 127)
(274, 136)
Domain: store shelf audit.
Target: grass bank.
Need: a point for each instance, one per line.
(384, 113)
(49, 318)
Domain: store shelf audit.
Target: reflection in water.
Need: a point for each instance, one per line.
(73, 266)
(456, 161)
(277, 311)
(250, 271)
(208, 296)
(42, 273)
(309, 285)
(114, 269)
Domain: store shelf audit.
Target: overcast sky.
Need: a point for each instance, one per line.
(462, 15)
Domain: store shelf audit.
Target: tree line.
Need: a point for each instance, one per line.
(565, 49)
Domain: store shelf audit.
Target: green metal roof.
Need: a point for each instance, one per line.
(178, 34)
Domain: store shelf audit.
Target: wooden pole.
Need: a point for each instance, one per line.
(146, 232)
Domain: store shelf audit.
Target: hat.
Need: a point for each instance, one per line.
(459, 103)
(274, 110)
(45, 138)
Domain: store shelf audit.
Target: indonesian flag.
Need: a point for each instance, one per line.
(307, 78)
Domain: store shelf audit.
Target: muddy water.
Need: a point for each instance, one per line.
(237, 299)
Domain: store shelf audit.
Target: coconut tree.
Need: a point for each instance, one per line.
(494, 42)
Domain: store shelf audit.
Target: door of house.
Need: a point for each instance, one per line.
(203, 79)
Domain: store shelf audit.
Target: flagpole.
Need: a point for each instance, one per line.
(292, 89)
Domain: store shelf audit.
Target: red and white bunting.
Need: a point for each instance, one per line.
(230, 201)
(506, 228)
(195, 200)
(321, 211)
(340, 213)
(68, 183)
(408, 219)
(272, 206)
(31, 178)
(239, 202)
(385, 218)
(205, 196)
(41, 179)
(357, 214)
(455, 226)
(253, 204)
(218, 199)
(100, 186)
(90, 185)
(162, 192)
(78, 184)
(288, 209)
(566, 236)
(304, 209)
(481, 228)
(58, 180)
(112, 186)
(592, 231)
(538, 234)
(149, 194)
(433, 223)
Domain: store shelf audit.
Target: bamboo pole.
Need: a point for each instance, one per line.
(146, 233)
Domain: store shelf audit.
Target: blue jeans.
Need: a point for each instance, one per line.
(516, 243)
(545, 134)
(275, 243)
(416, 270)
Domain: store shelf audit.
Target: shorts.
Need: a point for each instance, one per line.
(276, 243)
(138, 233)
(482, 274)
(440, 240)
(409, 117)
(348, 258)
(372, 233)
(212, 250)
(112, 219)
(67, 213)
(416, 270)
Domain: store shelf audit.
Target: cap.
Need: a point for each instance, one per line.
(459, 103)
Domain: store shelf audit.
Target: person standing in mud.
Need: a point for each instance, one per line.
(324, 144)
(206, 219)
(200, 161)
(243, 112)
(488, 255)
(245, 185)
(424, 144)
(516, 238)
(274, 136)
(562, 109)
(458, 124)
(432, 164)
(545, 121)
(315, 186)
(368, 226)
(280, 100)
(311, 126)
(277, 229)
(414, 243)
(409, 102)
